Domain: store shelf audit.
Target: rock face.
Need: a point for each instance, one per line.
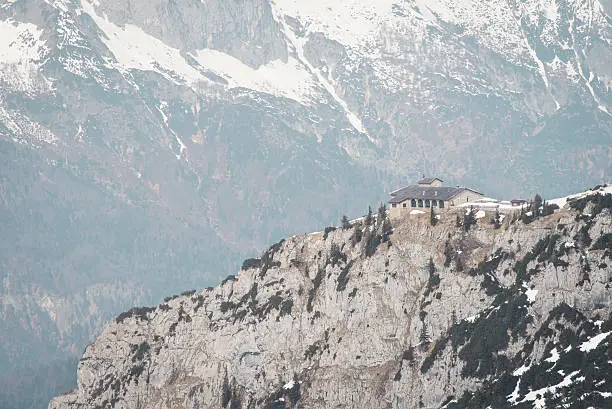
(362, 317)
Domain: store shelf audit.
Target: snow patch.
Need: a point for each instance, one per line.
(554, 356)
(480, 214)
(562, 201)
(594, 342)
(289, 385)
(537, 396)
(22, 53)
(531, 294)
(133, 48)
(520, 371)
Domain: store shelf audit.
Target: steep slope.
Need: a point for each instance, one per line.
(423, 316)
(148, 146)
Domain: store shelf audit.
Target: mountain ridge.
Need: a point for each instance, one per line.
(450, 315)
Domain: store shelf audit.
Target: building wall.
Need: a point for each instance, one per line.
(435, 183)
(465, 197)
(400, 211)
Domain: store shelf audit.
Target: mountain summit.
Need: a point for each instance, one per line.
(454, 315)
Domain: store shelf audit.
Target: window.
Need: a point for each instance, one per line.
(420, 202)
(394, 205)
(426, 202)
(413, 202)
(441, 202)
(404, 204)
(434, 203)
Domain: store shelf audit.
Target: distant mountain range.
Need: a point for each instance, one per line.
(147, 147)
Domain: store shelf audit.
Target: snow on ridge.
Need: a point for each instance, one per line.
(290, 79)
(133, 48)
(22, 52)
(562, 201)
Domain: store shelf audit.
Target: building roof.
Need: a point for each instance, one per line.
(427, 181)
(426, 192)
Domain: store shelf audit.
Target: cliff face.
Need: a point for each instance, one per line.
(424, 316)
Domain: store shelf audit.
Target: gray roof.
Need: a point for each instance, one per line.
(427, 181)
(425, 192)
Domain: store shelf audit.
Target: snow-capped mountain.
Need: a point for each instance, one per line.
(432, 316)
(145, 147)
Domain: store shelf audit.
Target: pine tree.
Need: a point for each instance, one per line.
(345, 222)
(372, 240)
(424, 337)
(369, 219)
(382, 214)
(448, 254)
(386, 229)
(537, 203)
(357, 234)
(433, 220)
(469, 219)
(497, 219)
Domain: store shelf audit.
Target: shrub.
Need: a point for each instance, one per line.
(251, 263)
(230, 277)
(343, 278)
(345, 222)
(136, 312)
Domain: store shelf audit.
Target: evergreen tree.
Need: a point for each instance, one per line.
(372, 240)
(431, 267)
(469, 219)
(386, 229)
(424, 337)
(382, 213)
(454, 335)
(537, 203)
(448, 254)
(357, 234)
(433, 220)
(369, 219)
(345, 222)
(497, 219)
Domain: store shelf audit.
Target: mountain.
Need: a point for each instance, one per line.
(147, 147)
(467, 315)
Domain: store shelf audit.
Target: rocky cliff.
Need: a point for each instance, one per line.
(463, 313)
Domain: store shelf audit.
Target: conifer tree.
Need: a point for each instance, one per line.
(369, 219)
(497, 219)
(424, 337)
(345, 222)
(537, 203)
(386, 229)
(469, 219)
(433, 220)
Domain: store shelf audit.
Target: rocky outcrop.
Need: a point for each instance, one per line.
(421, 316)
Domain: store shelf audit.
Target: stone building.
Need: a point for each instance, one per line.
(429, 193)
